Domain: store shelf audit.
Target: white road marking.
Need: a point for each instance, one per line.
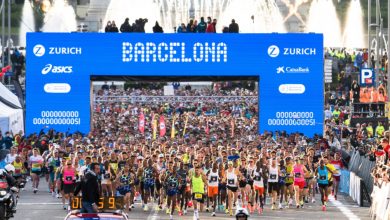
(344, 209)
(39, 203)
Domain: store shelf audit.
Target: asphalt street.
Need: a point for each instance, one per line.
(42, 206)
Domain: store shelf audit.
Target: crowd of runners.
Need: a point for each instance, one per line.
(207, 157)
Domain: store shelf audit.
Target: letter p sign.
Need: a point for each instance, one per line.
(367, 77)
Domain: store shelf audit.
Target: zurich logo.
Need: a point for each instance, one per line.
(39, 50)
(273, 51)
(47, 69)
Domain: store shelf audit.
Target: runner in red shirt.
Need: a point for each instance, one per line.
(338, 164)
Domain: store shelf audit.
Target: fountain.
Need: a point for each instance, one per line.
(354, 27)
(171, 13)
(266, 16)
(27, 23)
(60, 17)
(323, 19)
(119, 10)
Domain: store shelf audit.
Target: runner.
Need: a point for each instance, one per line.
(338, 165)
(198, 184)
(213, 177)
(125, 180)
(149, 181)
(322, 179)
(273, 182)
(258, 184)
(172, 180)
(232, 175)
(35, 164)
(298, 173)
(68, 178)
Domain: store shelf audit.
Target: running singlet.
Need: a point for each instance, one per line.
(289, 179)
(148, 176)
(298, 173)
(69, 176)
(331, 168)
(273, 174)
(197, 184)
(213, 178)
(36, 163)
(18, 168)
(257, 179)
(114, 165)
(172, 184)
(322, 176)
(338, 165)
(231, 178)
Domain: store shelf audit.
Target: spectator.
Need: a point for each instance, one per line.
(90, 189)
(233, 27)
(157, 28)
(114, 28)
(113, 86)
(202, 26)
(108, 27)
(210, 27)
(126, 27)
(7, 141)
(182, 28)
(105, 86)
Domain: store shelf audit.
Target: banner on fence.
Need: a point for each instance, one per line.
(344, 181)
(380, 207)
(354, 187)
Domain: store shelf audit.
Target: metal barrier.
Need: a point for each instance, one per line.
(362, 166)
(180, 99)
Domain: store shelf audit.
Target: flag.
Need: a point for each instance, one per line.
(207, 130)
(173, 127)
(163, 129)
(154, 126)
(185, 125)
(232, 125)
(141, 123)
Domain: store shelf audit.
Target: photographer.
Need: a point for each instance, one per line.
(90, 189)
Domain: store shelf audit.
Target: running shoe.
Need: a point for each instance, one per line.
(290, 202)
(64, 206)
(185, 212)
(207, 209)
(273, 207)
(260, 210)
(335, 197)
(323, 208)
(325, 203)
(180, 213)
(132, 206)
(313, 200)
(280, 206)
(170, 217)
(146, 208)
(231, 212)
(213, 214)
(168, 211)
(227, 211)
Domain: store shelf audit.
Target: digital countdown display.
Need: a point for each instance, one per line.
(289, 68)
(105, 203)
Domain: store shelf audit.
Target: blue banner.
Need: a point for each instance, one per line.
(289, 67)
(344, 181)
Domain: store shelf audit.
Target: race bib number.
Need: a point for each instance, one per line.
(257, 178)
(107, 176)
(68, 178)
(297, 175)
(272, 176)
(213, 179)
(322, 177)
(198, 196)
(230, 181)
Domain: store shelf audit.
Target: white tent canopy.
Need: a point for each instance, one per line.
(11, 119)
(9, 96)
